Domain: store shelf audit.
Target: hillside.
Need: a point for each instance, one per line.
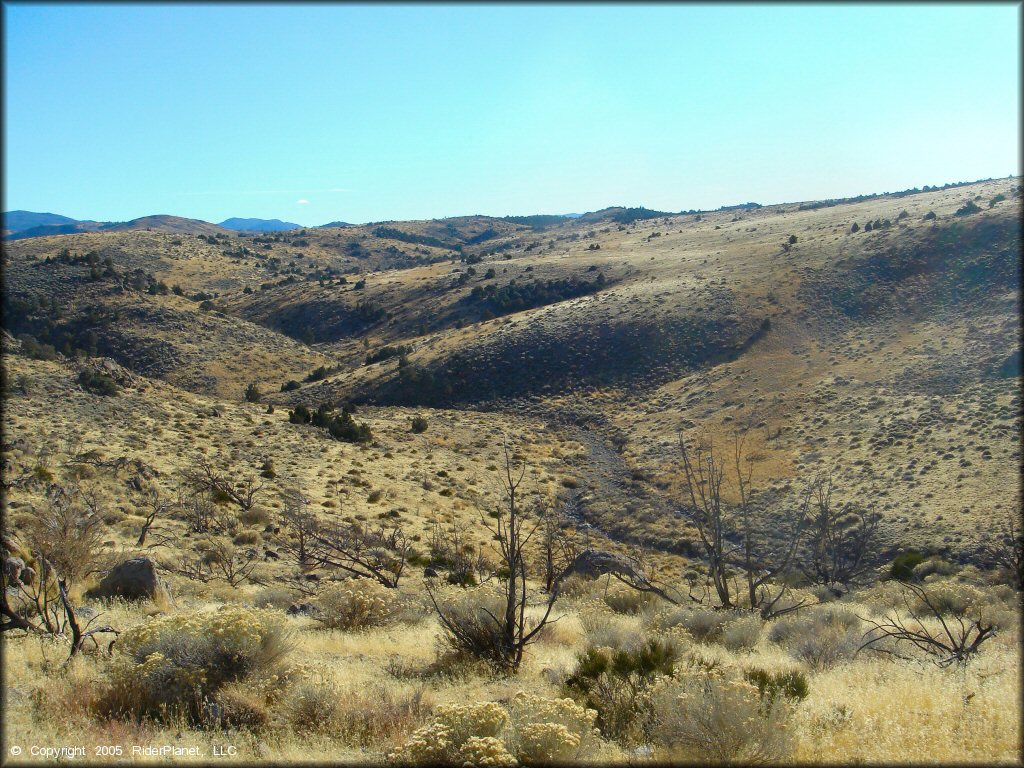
(872, 342)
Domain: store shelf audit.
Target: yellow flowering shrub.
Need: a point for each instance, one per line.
(356, 604)
(485, 750)
(532, 730)
(545, 743)
(174, 664)
(486, 718)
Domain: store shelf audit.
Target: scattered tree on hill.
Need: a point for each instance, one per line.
(98, 383)
(253, 393)
(967, 209)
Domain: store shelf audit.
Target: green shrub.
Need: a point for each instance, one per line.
(345, 428)
(615, 683)
(253, 393)
(35, 350)
(419, 424)
(97, 383)
(300, 415)
(902, 568)
(967, 209)
(791, 684)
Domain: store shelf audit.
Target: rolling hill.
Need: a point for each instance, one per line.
(841, 341)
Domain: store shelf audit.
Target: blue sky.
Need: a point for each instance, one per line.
(313, 113)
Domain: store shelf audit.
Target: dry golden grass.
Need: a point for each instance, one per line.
(376, 686)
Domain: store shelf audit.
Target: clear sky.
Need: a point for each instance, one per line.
(313, 113)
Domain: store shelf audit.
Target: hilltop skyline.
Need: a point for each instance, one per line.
(318, 113)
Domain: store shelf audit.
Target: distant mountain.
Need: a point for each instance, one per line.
(56, 229)
(258, 225)
(159, 223)
(165, 223)
(17, 221)
(622, 215)
(336, 224)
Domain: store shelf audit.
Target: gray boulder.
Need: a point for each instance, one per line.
(135, 579)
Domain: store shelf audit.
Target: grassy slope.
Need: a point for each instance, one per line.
(857, 395)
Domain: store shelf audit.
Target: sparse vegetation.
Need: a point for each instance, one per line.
(379, 596)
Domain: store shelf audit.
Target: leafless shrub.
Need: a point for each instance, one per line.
(842, 546)
(380, 554)
(1004, 548)
(205, 477)
(68, 531)
(229, 563)
(714, 715)
(958, 640)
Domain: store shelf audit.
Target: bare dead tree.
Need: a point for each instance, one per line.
(205, 476)
(227, 562)
(738, 538)
(558, 546)
(1005, 548)
(704, 473)
(378, 554)
(842, 546)
(43, 605)
(301, 524)
(80, 634)
(512, 633)
(959, 640)
(68, 531)
(153, 506)
(764, 555)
